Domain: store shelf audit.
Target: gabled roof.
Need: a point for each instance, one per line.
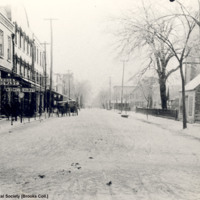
(193, 83)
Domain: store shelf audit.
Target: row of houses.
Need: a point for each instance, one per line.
(24, 78)
(147, 94)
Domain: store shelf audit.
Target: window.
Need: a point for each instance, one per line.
(24, 71)
(16, 38)
(1, 43)
(40, 59)
(30, 50)
(37, 77)
(24, 43)
(27, 47)
(21, 70)
(37, 55)
(18, 68)
(9, 48)
(20, 40)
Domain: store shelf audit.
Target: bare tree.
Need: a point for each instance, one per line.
(102, 98)
(178, 45)
(164, 37)
(82, 92)
(137, 33)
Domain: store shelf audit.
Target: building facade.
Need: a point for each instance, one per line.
(6, 61)
(22, 64)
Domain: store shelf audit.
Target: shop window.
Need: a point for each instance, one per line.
(1, 43)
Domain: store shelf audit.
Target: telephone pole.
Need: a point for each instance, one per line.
(110, 93)
(45, 76)
(51, 65)
(122, 90)
(69, 82)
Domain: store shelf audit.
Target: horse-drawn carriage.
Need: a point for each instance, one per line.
(67, 108)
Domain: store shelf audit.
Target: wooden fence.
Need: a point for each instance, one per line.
(171, 114)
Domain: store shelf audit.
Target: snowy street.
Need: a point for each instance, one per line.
(99, 155)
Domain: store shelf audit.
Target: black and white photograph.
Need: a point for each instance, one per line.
(100, 99)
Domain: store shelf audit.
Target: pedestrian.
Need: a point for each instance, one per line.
(7, 110)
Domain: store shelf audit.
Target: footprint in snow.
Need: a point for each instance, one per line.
(41, 176)
(109, 183)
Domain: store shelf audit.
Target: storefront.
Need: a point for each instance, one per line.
(19, 96)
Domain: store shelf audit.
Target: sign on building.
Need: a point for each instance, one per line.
(28, 89)
(9, 81)
(12, 89)
(40, 89)
(9, 89)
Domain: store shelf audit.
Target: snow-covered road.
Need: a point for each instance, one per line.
(99, 155)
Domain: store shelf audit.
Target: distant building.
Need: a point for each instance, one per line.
(68, 84)
(58, 82)
(117, 97)
(192, 88)
(22, 65)
(192, 100)
(146, 93)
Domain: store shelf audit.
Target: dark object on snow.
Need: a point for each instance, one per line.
(78, 167)
(109, 183)
(134, 190)
(69, 171)
(90, 157)
(124, 115)
(41, 176)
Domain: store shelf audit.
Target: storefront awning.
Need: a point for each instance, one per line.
(5, 69)
(33, 84)
(57, 93)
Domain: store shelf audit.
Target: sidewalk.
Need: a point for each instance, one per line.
(192, 130)
(5, 124)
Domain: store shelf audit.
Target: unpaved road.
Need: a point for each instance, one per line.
(99, 155)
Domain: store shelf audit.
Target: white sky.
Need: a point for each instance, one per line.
(81, 40)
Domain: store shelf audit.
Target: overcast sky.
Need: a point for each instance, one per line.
(82, 43)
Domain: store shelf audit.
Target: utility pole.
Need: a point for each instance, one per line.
(51, 66)
(110, 92)
(45, 76)
(12, 74)
(122, 90)
(69, 82)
